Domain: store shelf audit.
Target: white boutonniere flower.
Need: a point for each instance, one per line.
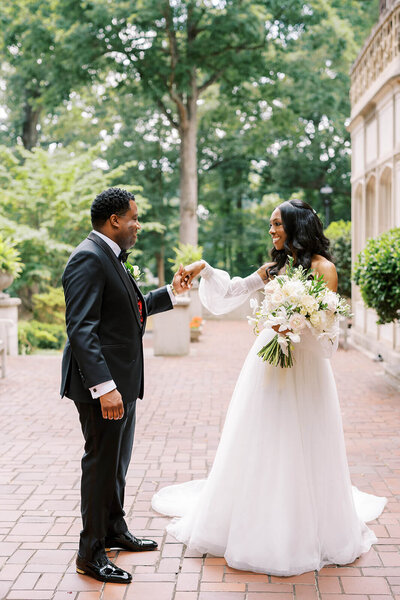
(134, 270)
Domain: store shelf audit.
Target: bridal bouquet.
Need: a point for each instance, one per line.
(294, 302)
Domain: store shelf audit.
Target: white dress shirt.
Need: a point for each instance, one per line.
(107, 386)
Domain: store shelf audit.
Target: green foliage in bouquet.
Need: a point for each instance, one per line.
(339, 234)
(185, 254)
(377, 272)
(10, 261)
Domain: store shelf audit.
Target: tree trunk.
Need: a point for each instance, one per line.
(188, 174)
(29, 126)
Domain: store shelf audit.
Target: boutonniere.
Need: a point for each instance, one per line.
(134, 270)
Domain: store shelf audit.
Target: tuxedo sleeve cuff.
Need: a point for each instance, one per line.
(171, 295)
(102, 388)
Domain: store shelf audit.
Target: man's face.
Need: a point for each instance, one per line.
(128, 226)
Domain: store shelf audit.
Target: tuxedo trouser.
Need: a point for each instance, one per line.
(108, 449)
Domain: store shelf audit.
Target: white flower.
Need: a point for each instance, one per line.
(318, 320)
(308, 304)
(253, 304)
(297, 322)
(271, 286)
(293, 290)
(136, 271)
(331, 300)
(277, 297)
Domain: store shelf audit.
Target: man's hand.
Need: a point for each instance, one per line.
(112, 406)
(192, 271)
(179, 284)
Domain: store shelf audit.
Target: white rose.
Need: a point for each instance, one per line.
(277, 297)
(136, 271)
(297, 322)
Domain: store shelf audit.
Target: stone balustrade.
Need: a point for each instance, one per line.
(381, 48)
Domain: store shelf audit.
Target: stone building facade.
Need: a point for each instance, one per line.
(375, 133)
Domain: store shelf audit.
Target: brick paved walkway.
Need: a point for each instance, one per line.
(178, 429)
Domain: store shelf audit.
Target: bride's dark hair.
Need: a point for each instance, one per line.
(305, 236)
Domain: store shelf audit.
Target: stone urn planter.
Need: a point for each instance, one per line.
(195, 325)
(5, 281)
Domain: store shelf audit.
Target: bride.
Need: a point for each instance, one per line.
(278, 498)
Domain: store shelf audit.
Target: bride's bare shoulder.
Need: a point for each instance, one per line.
(326, 268)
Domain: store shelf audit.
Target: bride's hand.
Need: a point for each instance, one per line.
(262, 271)
(193, 270)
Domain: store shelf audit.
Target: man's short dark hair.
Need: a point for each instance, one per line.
(113, 201)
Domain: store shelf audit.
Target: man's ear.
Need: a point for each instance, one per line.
(114, 221)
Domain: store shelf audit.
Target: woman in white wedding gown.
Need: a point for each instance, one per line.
(278, 498)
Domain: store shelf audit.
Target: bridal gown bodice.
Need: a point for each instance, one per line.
(278, 498)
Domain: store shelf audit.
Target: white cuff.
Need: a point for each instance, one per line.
(102, 388)
(207, 271)
(254, 282)
(171, 294)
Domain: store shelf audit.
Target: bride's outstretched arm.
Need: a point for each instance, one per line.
(218, 292)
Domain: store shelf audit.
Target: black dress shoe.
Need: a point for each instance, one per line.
(102, 570)
(129, 542)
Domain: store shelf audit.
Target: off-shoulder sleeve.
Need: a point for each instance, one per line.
(220, 294)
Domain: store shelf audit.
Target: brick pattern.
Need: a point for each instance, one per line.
(178, 430)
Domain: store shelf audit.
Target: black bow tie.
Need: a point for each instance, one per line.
(123, 256)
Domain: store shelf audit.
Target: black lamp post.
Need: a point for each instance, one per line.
(326, 192)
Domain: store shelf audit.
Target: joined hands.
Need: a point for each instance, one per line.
(182, 281)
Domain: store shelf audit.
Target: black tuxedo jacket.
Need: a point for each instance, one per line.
(103, 323)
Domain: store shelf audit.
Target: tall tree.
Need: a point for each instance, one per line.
(177, 49)
(41, 62)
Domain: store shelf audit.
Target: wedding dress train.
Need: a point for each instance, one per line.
(278, 498)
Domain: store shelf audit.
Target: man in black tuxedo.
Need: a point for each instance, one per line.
(102, 372)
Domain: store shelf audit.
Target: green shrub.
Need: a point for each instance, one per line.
(33, 334)
(377, 272)
(339, 234)
(185, 254)
(49, 307)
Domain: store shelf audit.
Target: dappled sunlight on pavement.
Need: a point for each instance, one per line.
(178, 429)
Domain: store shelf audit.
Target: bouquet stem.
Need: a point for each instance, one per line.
(274, 355)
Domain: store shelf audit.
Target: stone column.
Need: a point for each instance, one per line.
(171, 329)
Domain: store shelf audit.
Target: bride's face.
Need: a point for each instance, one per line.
(276, 230)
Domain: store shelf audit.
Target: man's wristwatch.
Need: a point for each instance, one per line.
(173, 290)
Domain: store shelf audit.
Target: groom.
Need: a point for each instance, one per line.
(102, 372)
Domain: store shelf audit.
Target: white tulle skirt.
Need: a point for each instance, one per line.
(278, 499)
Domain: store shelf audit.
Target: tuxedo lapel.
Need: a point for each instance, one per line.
(121, 272)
